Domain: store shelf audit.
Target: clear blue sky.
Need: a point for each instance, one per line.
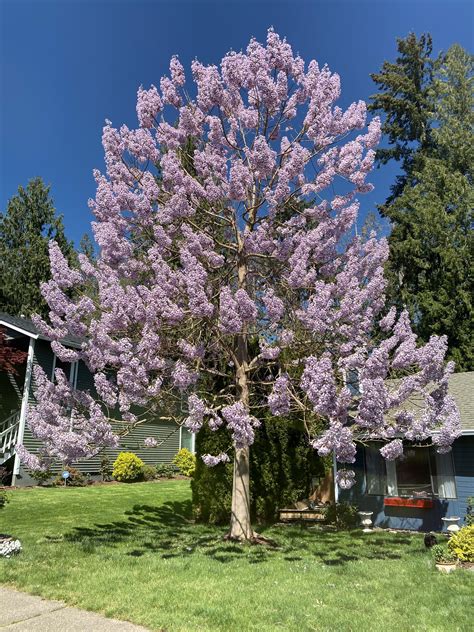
(67, 65)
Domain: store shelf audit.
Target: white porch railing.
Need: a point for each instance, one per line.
(8, 436)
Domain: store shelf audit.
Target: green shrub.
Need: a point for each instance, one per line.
(3, 497)
(106, 469)
(282, 466)
(4, 474)
(41, 476)
(342, 515)
(127, 467)
(149, 472)
(185, 461)
(212, 486)
(76, 478)
(461, 544)
(442, 555)
(165, 470)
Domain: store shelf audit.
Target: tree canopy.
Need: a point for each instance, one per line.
(230, 276)
(26, 227)
(430, 208)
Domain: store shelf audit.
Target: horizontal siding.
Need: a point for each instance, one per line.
(463, 454)
(166, 433)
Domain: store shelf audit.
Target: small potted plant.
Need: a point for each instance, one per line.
(445, 561)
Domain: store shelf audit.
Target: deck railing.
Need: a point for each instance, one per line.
(8, 436)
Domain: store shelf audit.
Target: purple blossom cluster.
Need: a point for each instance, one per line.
(240, 423)
(392, 450)
(212, 461)
(70, 423)
(150, 442)
(279, 398)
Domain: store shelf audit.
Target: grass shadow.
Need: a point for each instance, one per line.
(168, 530)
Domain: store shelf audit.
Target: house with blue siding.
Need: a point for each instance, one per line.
(17, 396)
(418, 490)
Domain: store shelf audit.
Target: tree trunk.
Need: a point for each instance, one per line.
(240, 525)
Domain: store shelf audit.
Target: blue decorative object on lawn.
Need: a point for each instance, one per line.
(65, 475)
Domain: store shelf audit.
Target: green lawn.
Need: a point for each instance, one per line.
(132, 552)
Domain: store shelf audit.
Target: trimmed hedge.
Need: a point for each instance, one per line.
(282, 466)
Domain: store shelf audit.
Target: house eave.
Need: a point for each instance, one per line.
(36, 336)
(20, 330)
(65, 343)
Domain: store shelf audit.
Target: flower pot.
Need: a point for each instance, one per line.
(446, 567)
(451, 524)
(366, 520)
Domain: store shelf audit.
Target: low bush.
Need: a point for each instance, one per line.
(127, 467)
(185, 461)
(461, 544)
(342, 515)
(106, 469)
(76, 478)
(3, 497)
(165, 470)
(442, 555)
(149, 472)
(41, 476)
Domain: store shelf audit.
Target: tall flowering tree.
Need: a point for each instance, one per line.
(225, 225)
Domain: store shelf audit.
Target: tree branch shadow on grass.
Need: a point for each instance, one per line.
(168, 530)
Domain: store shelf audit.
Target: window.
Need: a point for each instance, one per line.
(69, 369)
(421, 472)
(187, 439)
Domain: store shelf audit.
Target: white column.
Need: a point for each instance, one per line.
(24, 405)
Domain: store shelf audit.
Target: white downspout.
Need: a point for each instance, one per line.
(24, 405)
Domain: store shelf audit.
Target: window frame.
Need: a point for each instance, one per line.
(432, 474)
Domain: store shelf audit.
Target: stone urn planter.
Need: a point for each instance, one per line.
(451, 523)
(366, 520)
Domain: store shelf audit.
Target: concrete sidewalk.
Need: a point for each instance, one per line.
(25, 613)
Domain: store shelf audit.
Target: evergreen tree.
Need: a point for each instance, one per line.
(26, 227)
(431, 243)
(404, 98)
(86, 247)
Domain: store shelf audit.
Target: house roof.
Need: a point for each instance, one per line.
(27, 327)
(461, 389)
